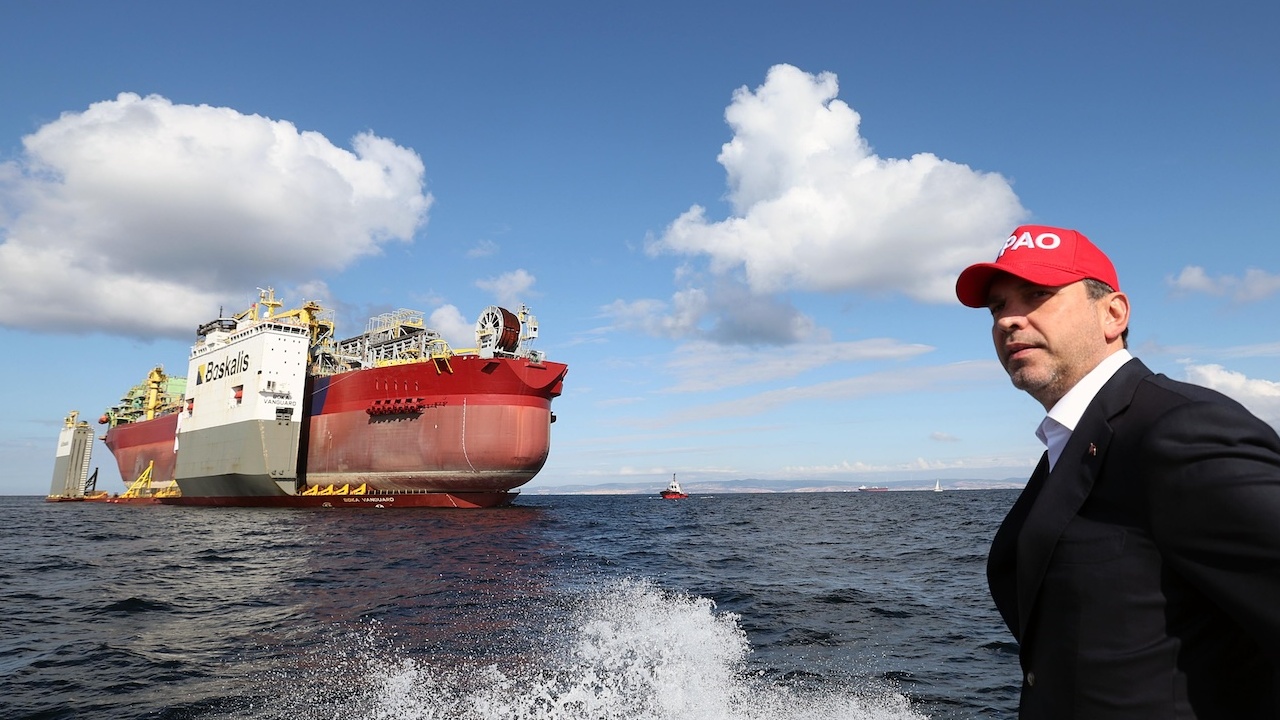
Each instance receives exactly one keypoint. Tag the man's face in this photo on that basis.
(1047, 338)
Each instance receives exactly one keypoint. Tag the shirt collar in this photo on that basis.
(1068, 410)
(1057, 426)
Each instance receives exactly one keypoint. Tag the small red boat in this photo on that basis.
(673, 491)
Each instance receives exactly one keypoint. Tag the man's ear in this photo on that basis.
(1115, 316)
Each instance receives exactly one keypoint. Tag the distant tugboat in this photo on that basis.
(673, 491)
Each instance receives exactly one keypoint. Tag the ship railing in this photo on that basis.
(360, 489)
(407, 350)
(274, 324)
(395, 322)
(327, 363)
(418, 337)
(536, 357)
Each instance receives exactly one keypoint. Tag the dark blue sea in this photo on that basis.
(727, 607)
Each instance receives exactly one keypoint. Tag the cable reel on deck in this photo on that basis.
(497, 330)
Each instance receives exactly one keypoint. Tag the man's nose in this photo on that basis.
(1007, 322)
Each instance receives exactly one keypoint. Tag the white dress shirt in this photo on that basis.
(1056, 428)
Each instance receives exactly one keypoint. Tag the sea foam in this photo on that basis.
(627, 650)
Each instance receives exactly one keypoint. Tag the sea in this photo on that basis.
(780, 606)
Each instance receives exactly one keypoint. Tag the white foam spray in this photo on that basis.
(631, 651)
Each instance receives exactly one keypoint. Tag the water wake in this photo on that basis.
(627, 651)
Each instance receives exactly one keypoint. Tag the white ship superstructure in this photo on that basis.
(240, 429)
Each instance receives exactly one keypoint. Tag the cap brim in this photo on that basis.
(974, 283)
(971, 286)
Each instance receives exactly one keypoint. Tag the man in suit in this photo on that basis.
(1139, 569)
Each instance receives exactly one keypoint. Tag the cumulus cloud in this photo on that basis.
(815, 209)
(139, 216)
(1262, 397)
(457, 330)
(1254, 286)
(509, 288)
(727, 313)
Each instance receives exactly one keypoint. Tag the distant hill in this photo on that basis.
(756, 485)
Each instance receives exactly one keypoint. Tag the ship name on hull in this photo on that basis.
(209, 372)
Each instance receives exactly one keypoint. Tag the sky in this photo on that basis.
(739, 224)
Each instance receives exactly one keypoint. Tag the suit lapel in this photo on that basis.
(1068, 485)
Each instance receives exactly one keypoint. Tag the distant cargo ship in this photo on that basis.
(275, 412)
(864, 488)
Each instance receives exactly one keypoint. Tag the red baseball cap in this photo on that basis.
(1040, 254)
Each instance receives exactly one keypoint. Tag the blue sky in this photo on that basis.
(738, 223)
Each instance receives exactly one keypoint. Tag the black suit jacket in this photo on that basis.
(1141, 577)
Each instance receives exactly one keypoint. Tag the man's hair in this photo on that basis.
(1098, 290)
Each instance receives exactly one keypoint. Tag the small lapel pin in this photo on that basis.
(1093, 449)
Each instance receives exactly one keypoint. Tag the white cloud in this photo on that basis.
(1257, 285)
(508, 288)
(139, 216)
(727, 313)
(1193, 278)
(703, 367)
(678, 319)
(1261, 397)
(889, 382)
(458, 331)
(1254, 286)
(314, 290)
(815, 209)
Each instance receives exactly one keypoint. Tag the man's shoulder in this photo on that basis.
(1136, 387)
(1157, 384)
(1159, 395)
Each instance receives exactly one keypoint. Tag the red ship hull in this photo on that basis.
(471, 425)
(135, 445)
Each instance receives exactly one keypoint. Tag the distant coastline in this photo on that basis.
(694, 487)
